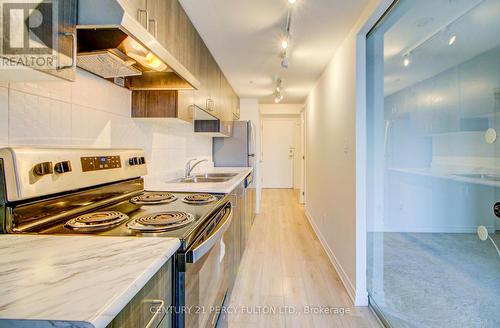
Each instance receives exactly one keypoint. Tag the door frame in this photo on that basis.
(303, 141)
(273, 117)
(378, 10)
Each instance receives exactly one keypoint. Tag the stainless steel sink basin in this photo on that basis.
(206, 178)
(489, 177)
(201, 179)
(216, 175)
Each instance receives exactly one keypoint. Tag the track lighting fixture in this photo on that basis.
(284, 44)
(278, 97)
(452, 40)
(407, 60)
(284, 62)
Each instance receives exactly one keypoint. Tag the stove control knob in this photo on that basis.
(133, 161)
(42, 169)
(142, 160)
(63, 167)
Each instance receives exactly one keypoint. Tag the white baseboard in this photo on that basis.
(357, 298)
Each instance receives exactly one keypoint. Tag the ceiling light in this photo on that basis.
(407, 60)
(452, 40)
(284, 44)
(292, 1)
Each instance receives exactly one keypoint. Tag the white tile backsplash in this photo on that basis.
(59, 90)
(92, 112)
(35, 120)
(90, 91)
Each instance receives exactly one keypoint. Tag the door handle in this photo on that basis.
(199, 251)
(159, 310)
(146, 13)
(155, 27)
(73, 51)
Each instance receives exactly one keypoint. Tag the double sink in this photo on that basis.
(206, 178)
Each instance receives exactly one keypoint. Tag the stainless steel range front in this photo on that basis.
(101, 192)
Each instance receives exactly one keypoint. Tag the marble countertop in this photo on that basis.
(452, 174)
(74, 281)
(161, 183)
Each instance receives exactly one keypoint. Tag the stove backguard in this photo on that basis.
(34, 215)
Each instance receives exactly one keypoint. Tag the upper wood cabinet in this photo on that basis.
(171, 26)
(61, 47)
(171, 104)
(66, 42)
(137, 9)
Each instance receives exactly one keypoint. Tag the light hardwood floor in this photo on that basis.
(285, 268)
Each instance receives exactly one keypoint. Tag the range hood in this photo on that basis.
(113, 44)
(207, 124)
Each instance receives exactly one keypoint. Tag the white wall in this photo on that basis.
(331, 160)
(92, 112)
(281, 109)
(249, 111)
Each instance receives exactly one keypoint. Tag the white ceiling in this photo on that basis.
(244, 37)
(474, 22)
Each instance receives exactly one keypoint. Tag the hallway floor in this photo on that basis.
(285, 270)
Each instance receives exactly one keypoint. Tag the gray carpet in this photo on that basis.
(436, 280)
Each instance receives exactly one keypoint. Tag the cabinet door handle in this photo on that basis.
(73, 51)
(146, 13)
(159, 310)
(155, 27)
(210, 105)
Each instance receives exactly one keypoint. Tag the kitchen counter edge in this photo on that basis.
(138, 269)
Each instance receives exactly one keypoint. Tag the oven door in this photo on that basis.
(208, 269)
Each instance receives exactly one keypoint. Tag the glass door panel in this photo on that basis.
(433, 163)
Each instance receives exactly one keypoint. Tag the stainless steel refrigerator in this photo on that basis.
(237, 150)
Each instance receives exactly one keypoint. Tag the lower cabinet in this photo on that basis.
(151, 306)
(239, 228)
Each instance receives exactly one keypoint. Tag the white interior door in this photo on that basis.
(277, 153)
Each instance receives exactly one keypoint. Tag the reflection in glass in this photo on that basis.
(433, 179)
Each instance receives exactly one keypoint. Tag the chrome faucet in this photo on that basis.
(189, 167)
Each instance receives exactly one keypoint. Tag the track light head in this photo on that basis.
(284, 44)
(284, 62)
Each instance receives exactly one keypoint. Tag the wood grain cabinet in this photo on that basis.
(171, 104)
(151, 306)
(64, 44)
(137, 9)
(171, 26)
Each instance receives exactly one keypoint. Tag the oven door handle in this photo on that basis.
(207, 245)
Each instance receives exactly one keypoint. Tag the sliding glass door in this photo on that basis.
(433, 164)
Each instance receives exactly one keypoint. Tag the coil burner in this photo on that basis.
(162, 221)
(154, 198)
(199, 199)
(96, 221)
